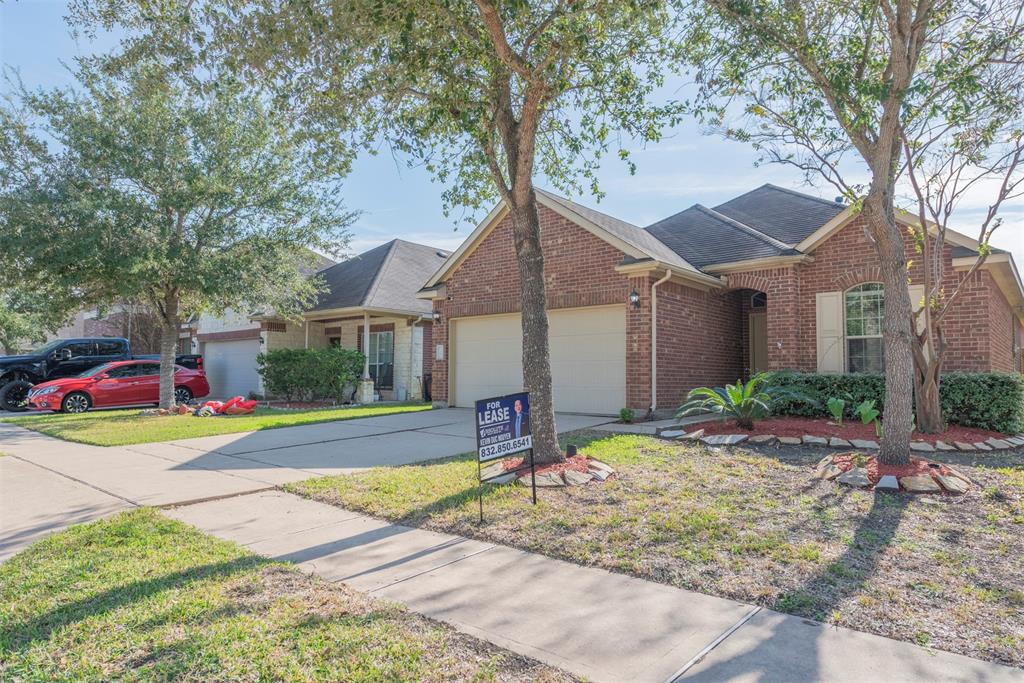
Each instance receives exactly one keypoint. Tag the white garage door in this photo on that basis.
(231, 367)
(588, 358)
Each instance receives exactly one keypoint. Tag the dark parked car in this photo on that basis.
(124, 383)
(65, 358)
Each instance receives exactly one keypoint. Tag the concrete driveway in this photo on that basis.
(47, 484)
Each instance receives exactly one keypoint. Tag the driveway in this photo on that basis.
(47, 484)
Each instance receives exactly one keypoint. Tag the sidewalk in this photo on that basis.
(600, 625)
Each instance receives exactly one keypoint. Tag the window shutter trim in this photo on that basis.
(830, 333)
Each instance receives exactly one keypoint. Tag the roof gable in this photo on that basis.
(385, 277)
(785, 215)
(705, 237)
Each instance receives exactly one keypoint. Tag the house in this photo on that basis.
(773, 279)
(370, 303)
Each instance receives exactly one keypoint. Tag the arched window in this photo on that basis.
(865, 307)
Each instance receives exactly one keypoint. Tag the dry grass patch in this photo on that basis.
(140, 597)
(752, 525)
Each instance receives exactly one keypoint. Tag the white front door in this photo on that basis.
(588, 358)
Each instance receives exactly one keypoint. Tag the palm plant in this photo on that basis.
(743, 402)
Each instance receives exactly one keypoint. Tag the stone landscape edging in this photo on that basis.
(991, 444)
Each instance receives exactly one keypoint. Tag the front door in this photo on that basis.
(758, 342)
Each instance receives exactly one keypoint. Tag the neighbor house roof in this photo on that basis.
(384, 278)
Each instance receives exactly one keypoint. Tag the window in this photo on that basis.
(758, 300)
(79, 349)
(382, 358)
(865, 307)
(109, 347)
(335, 342)
(148, 369)
(122, 371)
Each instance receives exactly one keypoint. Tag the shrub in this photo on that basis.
(744, 403)
(627, 415)
(986, 400)
(309, 374)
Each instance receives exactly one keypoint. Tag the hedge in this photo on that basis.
(310, 374)
(987, 400)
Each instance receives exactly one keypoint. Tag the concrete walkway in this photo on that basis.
(47, 484)
(600, 625)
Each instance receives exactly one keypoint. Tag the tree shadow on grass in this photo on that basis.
(18, 636)
(848, 574)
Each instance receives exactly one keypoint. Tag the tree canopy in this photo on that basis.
(139, 187)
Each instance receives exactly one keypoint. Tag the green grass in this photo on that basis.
(124, 427)
(747, 525)
(140, 597)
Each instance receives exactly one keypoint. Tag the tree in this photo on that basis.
(141, 188)
(825, 80)
(969, 144)
(28, 317)
(484, 93)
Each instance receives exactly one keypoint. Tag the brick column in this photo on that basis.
(783, 321)
(638, 347)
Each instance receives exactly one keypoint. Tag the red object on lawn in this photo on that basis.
(121, 383)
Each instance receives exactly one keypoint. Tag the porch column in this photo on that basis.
(366, 393)
(366, 346)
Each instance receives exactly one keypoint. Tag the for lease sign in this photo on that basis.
(503, 426)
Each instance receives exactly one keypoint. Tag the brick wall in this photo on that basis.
(579, 270)
(848, 259)
(700, 340)
(702, 335)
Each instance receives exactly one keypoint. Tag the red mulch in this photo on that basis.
(876, 470)
(850, 429)
(576, 462)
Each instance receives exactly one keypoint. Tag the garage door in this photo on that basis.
(231, 367)
(588, 358)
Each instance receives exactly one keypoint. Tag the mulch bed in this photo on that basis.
(876, 470)
(799, 426)
(579, 463)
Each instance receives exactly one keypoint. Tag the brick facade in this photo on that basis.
(703, 335)
(979, 329)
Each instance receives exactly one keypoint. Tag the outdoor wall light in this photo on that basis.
(634, 298)
(436, 315)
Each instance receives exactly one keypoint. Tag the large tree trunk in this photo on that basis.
(536, 353)
(896, 330)
(929, 406)
(168, 348)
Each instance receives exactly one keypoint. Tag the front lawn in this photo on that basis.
(124, 427)
(754, 526)
(140, 597)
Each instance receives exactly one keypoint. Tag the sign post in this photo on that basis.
(503, 429)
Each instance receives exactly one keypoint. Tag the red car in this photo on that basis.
(122, 383)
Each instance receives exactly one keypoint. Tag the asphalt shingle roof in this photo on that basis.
(705, 237)
(386, 277)
(783, 214)
(627, 232)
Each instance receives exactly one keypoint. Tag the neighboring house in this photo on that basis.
(773, 279)
(135, 322)
(370, 304)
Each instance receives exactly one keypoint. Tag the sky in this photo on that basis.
(686, 167)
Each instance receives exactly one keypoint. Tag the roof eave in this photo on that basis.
(757, 263)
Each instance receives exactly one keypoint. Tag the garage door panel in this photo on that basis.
(231, 367)
(588, 358)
